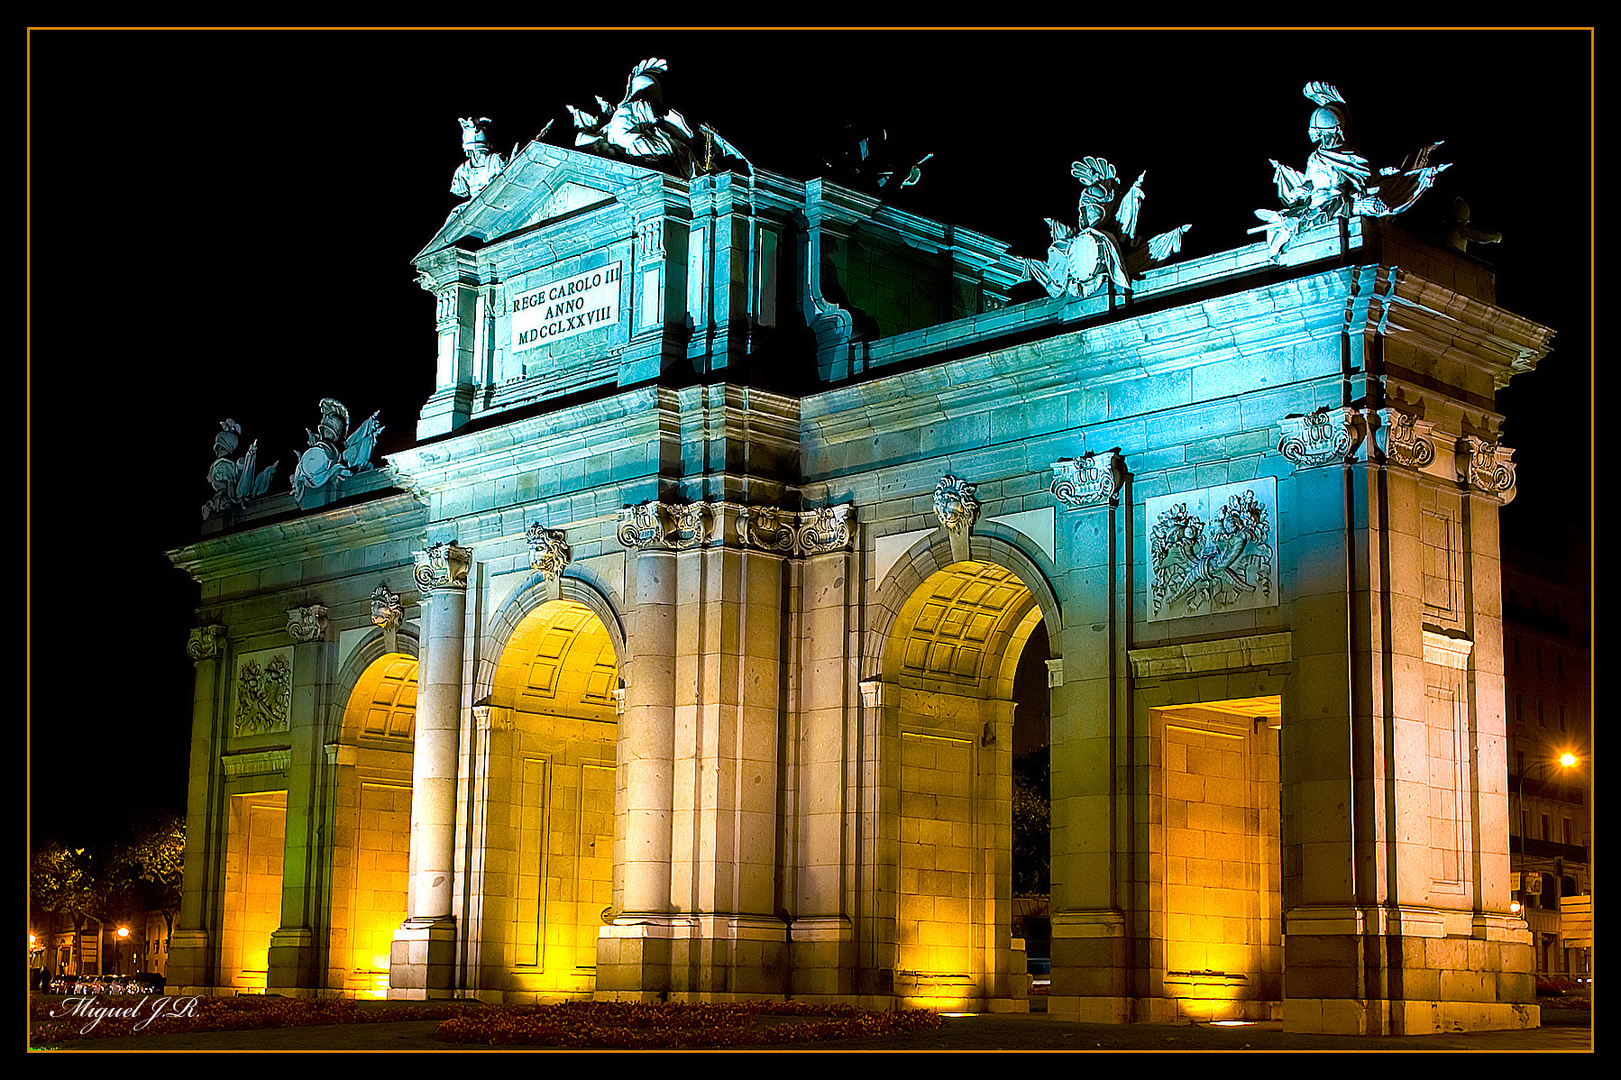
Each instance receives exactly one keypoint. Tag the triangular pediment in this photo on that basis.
(541, 184)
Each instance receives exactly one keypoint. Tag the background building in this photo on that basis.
(1547, 610)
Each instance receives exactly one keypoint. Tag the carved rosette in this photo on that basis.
(1404, 439)
(206, 643)
(955, 505)
(306, 624)
(442, 566)
(1486, 466)
(666, 526)
(548, 550)
(263, 696)
(1091, 480)
(1321, 437)
(802, 532)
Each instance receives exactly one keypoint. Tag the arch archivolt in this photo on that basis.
(355, 667)
(577, 586)
(969, 627)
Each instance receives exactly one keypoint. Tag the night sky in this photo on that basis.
(221, 224)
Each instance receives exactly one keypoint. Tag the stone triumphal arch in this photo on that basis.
(677, 657)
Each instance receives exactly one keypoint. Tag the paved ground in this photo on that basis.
(1034, 1032)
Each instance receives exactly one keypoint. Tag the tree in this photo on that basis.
(1032, 818)
(64, 881)
(150, 864)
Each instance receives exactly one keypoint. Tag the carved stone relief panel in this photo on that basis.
(262, 693)
(1213, 550)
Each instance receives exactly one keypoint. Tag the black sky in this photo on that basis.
(221, 224)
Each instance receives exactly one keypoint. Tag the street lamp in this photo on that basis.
(1566, 760)
(118, 957)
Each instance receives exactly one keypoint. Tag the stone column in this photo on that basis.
(191, 962)
(423, 953)
(827, 795)
(1090, 883)
(292, 945)
(633, 954)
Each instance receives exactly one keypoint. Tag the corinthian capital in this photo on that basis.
(798, 532)
(1404, 439)
(1091, 480)
(671, 526)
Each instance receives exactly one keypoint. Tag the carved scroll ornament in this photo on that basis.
(442, 566)
(1091, 480)
(668, 526)
(802, 532)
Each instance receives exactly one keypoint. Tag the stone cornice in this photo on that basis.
(311, 535)
(1439, 322)
(627, 421)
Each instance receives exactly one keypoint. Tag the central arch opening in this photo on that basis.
(954, 658)
(549, 866)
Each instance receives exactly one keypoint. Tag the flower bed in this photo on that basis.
(647, 1026)
(95, 1017)
(582, 1025)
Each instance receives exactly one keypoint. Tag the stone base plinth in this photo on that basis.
(292, 960)
(692, 958)
(187, 972)
(1434, 971)
(422, 961)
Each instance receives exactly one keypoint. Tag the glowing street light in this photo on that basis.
(1567, 760)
